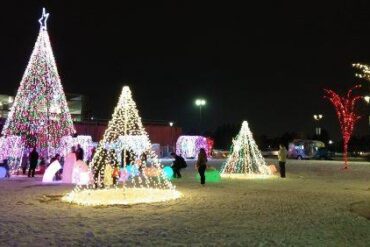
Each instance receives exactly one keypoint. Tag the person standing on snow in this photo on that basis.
(33, 157)
(79, 153)
(201, 165)
(282, 159)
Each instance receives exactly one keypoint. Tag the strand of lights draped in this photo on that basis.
(245, 160)
(125, 134)
(365, 71)
(40, 113)
(345, 109)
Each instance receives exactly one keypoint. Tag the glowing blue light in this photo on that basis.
(168, 172)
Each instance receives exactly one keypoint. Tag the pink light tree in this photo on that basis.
(345, 109)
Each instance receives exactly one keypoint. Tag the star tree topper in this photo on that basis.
(43, 19)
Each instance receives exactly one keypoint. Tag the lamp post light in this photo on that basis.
(171, 136)
(200, 103)
(318, 117)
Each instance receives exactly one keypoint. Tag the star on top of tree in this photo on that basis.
(43, 19)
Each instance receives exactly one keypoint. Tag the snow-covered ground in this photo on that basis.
(317, 205)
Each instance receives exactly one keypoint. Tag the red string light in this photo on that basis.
(345, 109)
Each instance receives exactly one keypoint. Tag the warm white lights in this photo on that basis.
(125, 139)
(367, 98)
(119, 196)
(245, 160)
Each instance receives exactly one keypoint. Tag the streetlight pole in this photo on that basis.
(172, 144)
(200, 103)
(317, 117)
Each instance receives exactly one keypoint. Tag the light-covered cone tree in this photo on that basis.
(40, 113)
(126, 133)
(245, 157)
(145, 183)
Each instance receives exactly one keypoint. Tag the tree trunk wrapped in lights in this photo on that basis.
(40, 113)
(345, 109)
(245, 159)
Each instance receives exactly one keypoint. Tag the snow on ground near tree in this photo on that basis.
(317, 205)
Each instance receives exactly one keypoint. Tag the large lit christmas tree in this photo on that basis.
(40, 114)
(245, 160)
(126, 136)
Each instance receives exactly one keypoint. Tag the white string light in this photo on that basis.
(125, 131)
(245, 160)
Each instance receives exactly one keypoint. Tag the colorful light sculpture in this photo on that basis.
(68, 142)
(345, 109)
(125, 134)
(40, 114)
(245, 160)
(10, 146)
(189, 146)
(51, 171)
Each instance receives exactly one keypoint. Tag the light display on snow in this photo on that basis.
(245, 160)
(119, 196)
(212, 176)
(189, 146)
(10, 146)
(81, 174)
(125, 136)
(40, 114)
(11, 149)
(68, 142)
(51, 171)
(138, 144)
(345, 109)
(168, 171)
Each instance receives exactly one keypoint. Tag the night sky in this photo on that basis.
(265, 63)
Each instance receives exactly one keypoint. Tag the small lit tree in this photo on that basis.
(345, 109)
(142, 177)
(125, 132)
(245, 157)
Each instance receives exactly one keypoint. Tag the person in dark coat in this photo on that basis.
(178, 163)
(6, 166)
(24, 163)
(79, 153)
(201, 165)
(33, 158)
(282, 159)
